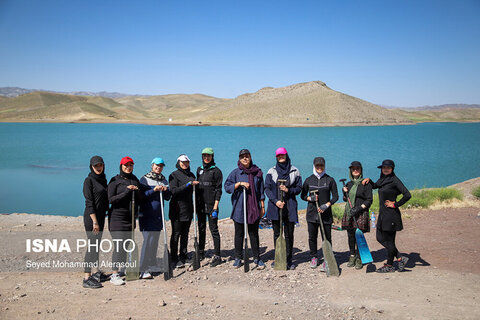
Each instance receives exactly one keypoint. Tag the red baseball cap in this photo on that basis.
(126, 160)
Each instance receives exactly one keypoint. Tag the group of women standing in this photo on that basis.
(282, 184)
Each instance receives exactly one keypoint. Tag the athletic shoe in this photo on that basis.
(146, 275)
(351, 261)
(121, 273)
(314, 263)
(116, 279)
(273, 264)
(358, 264)
(260, 264)
(180, 264)
(237, 263)
(91, 283)
(216, 260)
(386, 269)
(202, 256)
(291, 266)
(402, 262)
(323, 267)
(99, 276)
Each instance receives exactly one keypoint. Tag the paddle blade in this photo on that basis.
(132, 271)
(196, 257)
(363, 250)
(280, 254)
(167, 264)
(331, 263)
(246, 265)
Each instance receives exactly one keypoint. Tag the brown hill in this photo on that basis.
(310, 103)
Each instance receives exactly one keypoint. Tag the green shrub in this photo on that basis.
(337, 211)
(476, 192)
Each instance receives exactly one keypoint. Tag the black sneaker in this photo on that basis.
(99, 276)
(386, 269)
(202, 256)
(402, 263)
(91, 283)
(291, 266)
(216, 260)
(180, 264)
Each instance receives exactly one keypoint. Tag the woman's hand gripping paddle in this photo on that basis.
(330, 262)
(132, 271)
(363, 250)
(280, 245)
(167, 262)
(246, 265)
(196, 258)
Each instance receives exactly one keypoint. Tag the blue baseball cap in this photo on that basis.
(158, 161)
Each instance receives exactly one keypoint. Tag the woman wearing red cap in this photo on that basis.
(120, 189)
(283, 170)
(389, 218)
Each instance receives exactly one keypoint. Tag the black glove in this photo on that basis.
(355, 211)
(324, 207)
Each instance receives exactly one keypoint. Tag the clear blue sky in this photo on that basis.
(399, 53)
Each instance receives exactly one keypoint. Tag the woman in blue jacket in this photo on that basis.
(283, 170)
(250, 177)
(150, 216)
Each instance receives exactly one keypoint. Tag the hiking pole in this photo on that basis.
(363, 250)
(331, 263)
(132, 272)
(167, 263)
(196, 257)
(280, 245)
(246, 266)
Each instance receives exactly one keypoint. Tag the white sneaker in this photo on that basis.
(116, 279)
(147, 275)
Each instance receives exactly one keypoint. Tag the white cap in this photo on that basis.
(183, 157)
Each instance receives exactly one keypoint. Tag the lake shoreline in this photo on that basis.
(233, 124)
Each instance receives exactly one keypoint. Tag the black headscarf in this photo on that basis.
(385, 179)
(206, 166)
(186, 171)
(283, 168)
(125, 175)
(101, 178)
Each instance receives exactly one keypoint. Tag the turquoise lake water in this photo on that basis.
(43, 165)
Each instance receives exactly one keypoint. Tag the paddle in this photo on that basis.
(363, 250)
(280, 245)
(330, 262)
(196, 257)
(246, 266)
(132, 271)
(167, 263)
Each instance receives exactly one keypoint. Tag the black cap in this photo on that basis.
(243, 151)
(319, 160)
(96, 160)
(387, 163)
(355, 164)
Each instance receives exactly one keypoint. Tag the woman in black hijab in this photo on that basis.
(96, 206)
(389, 219)
(120, 190)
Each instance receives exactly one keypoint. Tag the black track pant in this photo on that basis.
(119, 256)
(352, 242)
(313, 235)
(387, 239)
(202, 230)
(254, 239)
(93, 245)
(288, 230)
(179, 233)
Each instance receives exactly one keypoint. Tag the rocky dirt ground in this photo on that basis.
(442, 279)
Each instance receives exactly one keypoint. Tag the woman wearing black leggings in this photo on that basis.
(389, 219)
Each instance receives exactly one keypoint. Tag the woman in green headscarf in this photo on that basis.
(361, 198)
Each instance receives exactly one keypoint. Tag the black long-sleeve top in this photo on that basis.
(181, 204)
(96, 202)
(390, 219)
(327, 192)
(209, 189)
(120, 198)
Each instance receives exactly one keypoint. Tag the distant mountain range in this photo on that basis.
(303, 104)
(12, 92)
